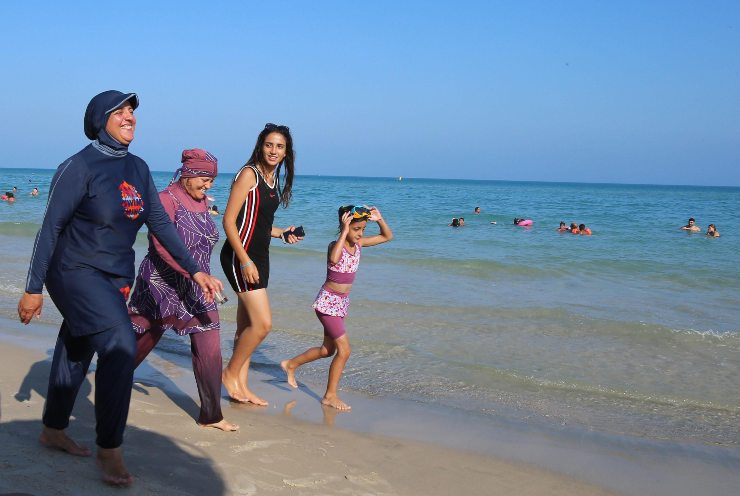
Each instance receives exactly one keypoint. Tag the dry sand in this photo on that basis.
(271, 454)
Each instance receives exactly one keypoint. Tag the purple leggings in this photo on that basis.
(333, 326)
(207, 366)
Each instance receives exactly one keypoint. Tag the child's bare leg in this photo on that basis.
(335, 373)
(311, 354)
(254, 321)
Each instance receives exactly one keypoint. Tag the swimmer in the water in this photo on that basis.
(691, 226)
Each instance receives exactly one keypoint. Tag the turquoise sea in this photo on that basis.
(633, 331)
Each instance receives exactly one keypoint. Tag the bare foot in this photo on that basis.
(58, 439)
(335, 402)
(233, 388)
(224, 425)
(114, 470)
(290, 372)
(239, 393)
(254, 399)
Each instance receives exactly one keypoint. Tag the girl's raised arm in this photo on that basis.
(386, 234)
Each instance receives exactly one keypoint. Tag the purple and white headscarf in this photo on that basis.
(197, 163)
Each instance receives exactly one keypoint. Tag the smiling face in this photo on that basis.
(197, 187)
(273, 149)
(122, 124)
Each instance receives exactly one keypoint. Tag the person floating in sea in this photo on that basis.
(476, 210)
(9, 196)
(332, 302)
(213, 210)
(583, 230)
(563, 227)
(691, 226)
(712, 231)
(574, 228)
(34, 192)
(455, 222)
(523, 222)
(461, 221)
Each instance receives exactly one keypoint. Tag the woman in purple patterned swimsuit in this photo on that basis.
(165, 296)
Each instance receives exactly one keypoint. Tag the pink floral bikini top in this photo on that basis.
(343, 272)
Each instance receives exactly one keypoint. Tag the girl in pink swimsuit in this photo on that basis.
(332, 302)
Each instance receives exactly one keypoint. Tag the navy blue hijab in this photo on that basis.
(98, 111)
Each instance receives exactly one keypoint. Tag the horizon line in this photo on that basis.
(412, 178)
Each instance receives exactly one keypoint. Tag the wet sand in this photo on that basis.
(296, 446)
(277, 454)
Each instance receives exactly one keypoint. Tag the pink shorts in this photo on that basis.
(333, 326)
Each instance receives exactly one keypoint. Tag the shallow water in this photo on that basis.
(633, 330)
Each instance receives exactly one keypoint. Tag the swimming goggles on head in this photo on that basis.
(360, 212)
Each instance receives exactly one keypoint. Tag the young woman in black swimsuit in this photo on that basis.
(255, 195)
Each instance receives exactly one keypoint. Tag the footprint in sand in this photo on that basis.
(371, 478)
(312, 480)
(243, 485)
(255, 445)
(369, 482)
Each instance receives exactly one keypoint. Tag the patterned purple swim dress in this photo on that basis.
(164, 297)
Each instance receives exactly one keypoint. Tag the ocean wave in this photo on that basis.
(20, 229)
(732, 335)
(475, 268)
(11, 290)
(647, 399)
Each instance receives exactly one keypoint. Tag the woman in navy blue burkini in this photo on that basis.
(98, 200)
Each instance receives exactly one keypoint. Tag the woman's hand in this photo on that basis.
(291, 238)
(208, 284)
(29, 306)
(250, 272)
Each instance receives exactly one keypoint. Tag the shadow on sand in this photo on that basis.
(161, 465)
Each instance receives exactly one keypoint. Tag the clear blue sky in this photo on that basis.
(592, 91)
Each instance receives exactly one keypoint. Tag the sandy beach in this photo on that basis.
(272, 453)
(489, 356)
(296, 446)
